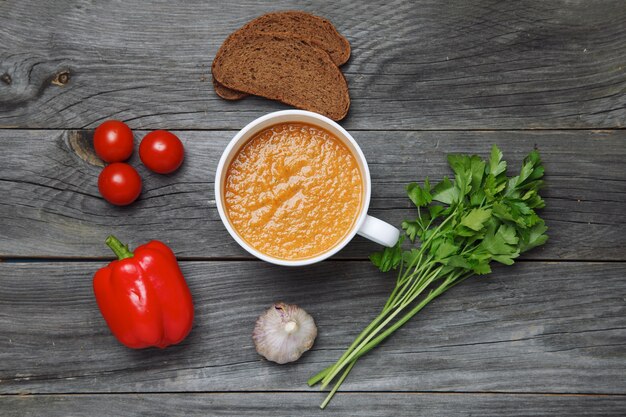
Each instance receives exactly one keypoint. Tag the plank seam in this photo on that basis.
(229, 129)
(317, 392)
(13, 259)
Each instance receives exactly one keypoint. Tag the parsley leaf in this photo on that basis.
(445, 192)
(420, 196)
(496, 164)
(389, 258)
(476, 218)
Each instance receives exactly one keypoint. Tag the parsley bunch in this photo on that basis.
(462, 225)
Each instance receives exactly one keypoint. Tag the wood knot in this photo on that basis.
(62, 78)
(82, 145)
(6, 78)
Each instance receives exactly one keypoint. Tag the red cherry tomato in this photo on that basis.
(161, 151)
(119, 184)
(113, 141)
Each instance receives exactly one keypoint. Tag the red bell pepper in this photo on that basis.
(143, 296)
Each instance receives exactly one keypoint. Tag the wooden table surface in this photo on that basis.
(427, 78)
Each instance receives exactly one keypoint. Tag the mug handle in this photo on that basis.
(379, 231)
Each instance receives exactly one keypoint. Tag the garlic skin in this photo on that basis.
(283, 333)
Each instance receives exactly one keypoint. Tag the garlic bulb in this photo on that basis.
(283, 333)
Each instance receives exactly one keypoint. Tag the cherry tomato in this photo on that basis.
(161, 151)
(119, 184)
(113, 141)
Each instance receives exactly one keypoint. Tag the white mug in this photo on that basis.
(365, 225)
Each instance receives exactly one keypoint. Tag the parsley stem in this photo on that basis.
(343, 376)
(363, 349)
(432, 295)
(319, 376)
(412, 285)
(446, 285)
(390, 303)
(396, 287)
(409, 290)
(346, 359)
(360, 337)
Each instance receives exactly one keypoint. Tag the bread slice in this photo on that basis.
(227, 93)
(289, 70)
(298, 25)
(301, 25)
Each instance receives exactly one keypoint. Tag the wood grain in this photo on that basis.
(50, 205)
(422, 64)
(532, 328)
(426, 78)
(291, 404)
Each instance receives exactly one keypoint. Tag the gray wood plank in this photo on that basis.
(422, 64)
(532, 328)
(50, 206)
(291, 404)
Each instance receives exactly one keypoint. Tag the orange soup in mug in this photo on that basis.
(293, 191)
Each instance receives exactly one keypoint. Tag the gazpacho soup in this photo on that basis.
(293, 191)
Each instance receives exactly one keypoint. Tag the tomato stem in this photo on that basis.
(120, 250)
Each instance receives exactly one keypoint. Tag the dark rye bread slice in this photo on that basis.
(292, 71)
(298, 25)
(227, 93)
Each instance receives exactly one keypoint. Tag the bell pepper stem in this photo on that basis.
(120, 250)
